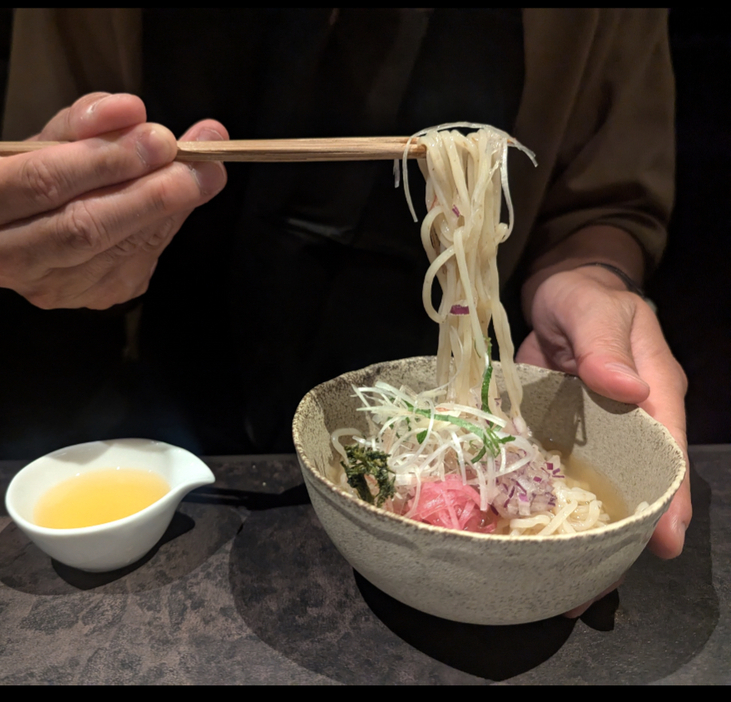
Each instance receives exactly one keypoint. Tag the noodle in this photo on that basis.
(454, 457)
(466, 178)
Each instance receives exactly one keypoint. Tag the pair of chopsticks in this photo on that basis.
(272, 150)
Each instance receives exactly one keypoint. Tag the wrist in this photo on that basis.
(610, 255)
(628, 282)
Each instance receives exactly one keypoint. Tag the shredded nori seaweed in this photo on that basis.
(364, 461)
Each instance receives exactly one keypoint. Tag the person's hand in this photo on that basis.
(82, 224)
(585, 323)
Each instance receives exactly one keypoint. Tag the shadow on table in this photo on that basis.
(195, 533)
(198, 529)
(299, 596)
(492, 652)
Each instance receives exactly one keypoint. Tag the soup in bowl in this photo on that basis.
(103, 505)
(485, 578)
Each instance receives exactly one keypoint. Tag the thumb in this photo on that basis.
(603, 351)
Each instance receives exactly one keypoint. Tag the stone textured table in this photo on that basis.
(245, 587)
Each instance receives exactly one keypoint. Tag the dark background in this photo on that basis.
(691, 287)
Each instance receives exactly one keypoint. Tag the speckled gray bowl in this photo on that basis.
(483, 578)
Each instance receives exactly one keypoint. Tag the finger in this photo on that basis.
(668, 538)
(123, 283)
(116, 275)
(107, 278)
(656, 363)
(605, 361)
(127, 270)
(602, 346)
(41, 181)
(667, 385)
(206, 130)
(584, 329)
(666, 404)
(94, 114)
(94, 223)
(113, 285)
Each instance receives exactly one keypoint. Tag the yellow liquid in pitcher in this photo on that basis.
(99, 497)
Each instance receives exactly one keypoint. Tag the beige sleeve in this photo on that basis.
(598, 109)
(58, 55)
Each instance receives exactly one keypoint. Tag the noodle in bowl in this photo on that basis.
(488, 578)
(457, 441)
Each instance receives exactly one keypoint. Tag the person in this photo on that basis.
(304, 263)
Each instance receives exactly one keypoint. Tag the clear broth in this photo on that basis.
(99, 497)
(581, 474)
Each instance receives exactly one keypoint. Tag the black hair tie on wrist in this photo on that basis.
(629, 283)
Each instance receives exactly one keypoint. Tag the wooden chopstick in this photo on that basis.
(265, 150)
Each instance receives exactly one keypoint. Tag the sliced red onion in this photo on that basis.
(528, 490)
(459, 309)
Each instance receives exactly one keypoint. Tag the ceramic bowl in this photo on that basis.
(485, 578)
(114, 544)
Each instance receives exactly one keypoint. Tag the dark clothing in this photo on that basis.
(311, 269)
(299, 272)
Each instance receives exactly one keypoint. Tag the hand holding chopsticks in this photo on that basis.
(82, 223)
(89, 207)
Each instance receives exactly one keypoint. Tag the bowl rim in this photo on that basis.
(94, 528)
(651, 513)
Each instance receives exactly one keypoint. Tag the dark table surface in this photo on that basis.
(245, 587)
